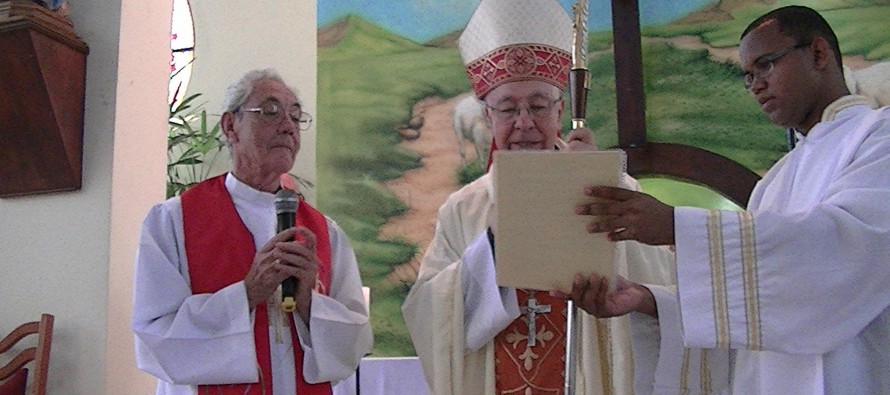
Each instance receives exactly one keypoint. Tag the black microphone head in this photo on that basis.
(285, 201)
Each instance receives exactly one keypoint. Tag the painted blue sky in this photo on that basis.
(422, 20)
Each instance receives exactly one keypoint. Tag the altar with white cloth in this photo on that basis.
(385, 376)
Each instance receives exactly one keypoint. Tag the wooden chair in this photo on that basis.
(39, 354)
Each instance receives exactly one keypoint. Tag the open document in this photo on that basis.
(540, 243)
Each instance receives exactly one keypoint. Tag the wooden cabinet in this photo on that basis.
(42, 75)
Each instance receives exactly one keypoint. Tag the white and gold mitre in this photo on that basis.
(516, 40)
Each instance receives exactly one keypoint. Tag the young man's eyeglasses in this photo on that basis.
(272, 113)
(537, 109)
(765, 63)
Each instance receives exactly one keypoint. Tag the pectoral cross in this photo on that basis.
(530, 310)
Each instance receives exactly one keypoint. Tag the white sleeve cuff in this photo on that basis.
(488, 308)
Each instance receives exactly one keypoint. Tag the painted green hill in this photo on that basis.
(860, 24)
(368, 81)
(354, 35)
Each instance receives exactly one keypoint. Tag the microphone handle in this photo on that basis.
(289, 285)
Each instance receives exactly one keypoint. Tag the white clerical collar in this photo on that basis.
(836, 107)
(488, 179)
(240, 190)
(833, 110)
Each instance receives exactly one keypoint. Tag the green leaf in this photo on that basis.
(187, 161)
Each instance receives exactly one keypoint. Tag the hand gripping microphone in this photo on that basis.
(286, 210)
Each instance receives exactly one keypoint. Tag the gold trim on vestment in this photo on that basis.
(718, 279)
(750, 280)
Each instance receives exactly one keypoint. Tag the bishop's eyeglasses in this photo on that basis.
(272, 113)
(537, 109)
(763, 65)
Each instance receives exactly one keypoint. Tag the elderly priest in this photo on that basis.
(207, 315)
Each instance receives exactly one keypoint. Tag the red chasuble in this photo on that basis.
(216, 236)
(521, 368)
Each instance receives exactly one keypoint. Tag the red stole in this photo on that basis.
(215, 235)
(518, 367)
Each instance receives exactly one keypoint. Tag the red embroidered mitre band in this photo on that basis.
(519, 62)
(516, 40)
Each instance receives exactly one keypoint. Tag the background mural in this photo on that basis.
(395, 135)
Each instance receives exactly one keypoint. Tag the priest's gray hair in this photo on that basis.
(237, 92)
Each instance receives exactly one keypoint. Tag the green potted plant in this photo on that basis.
(193, 145)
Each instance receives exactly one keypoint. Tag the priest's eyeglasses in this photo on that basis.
(538, 109)
(763, 65)
(272, 113)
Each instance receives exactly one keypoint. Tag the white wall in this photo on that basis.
(138, 177)
(58, 256)
(71, 254)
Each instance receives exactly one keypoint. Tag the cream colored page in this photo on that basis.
(540, 243)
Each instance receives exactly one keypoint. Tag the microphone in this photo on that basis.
(286, 210)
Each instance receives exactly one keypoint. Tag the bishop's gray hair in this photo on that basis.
(237, 92)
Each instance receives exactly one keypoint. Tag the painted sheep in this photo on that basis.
(468, 121)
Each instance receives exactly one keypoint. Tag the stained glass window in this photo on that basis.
(182, 50)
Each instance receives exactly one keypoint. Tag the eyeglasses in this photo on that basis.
(508, 111)
(765, 63)
(272, 114)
